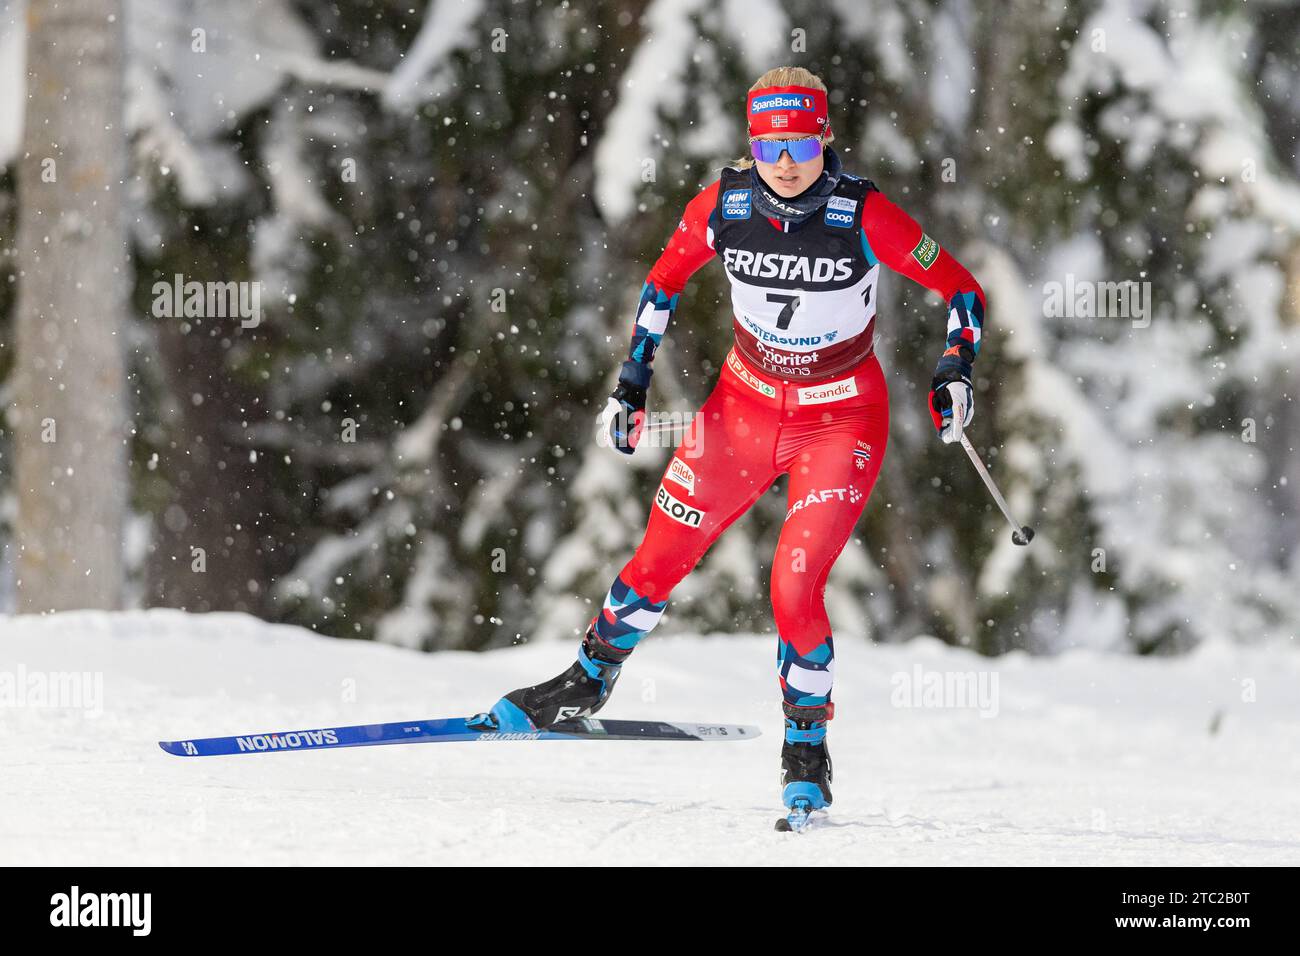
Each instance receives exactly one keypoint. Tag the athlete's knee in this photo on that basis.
(798, 606)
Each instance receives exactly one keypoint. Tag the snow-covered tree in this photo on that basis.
(449, 209)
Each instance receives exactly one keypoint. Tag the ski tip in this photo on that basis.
(794, 823)
(799, 816)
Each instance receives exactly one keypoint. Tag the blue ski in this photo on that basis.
(449, 731)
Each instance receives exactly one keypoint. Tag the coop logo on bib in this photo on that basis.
(681, 473)
(735, 204)
(681, 513)
(830, 392)
(840, 211)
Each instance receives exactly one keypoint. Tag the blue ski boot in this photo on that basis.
(805, 765)
(579, 692)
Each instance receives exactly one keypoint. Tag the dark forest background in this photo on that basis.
(450, 209)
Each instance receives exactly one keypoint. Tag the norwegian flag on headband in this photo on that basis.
(792, 109)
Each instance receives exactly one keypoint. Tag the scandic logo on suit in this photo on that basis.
(682, 514)
(830, 392)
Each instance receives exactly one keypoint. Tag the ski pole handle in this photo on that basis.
(958, 418)
(1020, 534)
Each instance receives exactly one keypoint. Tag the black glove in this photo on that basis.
(952, 381)
(624, 414)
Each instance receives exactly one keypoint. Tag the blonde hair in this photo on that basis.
(785, 76)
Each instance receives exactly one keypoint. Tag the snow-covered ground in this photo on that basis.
(1081, 759)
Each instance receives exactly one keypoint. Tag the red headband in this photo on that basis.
(787, 109)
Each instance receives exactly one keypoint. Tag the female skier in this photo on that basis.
(800, 393)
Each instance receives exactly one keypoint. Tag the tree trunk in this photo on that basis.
(68, 411)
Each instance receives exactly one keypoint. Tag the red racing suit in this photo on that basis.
(801, 393)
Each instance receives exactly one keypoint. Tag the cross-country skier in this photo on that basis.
(800, 394)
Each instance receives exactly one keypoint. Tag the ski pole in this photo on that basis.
(663, 426)
(1020, 534)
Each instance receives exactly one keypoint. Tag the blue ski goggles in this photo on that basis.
(800, 150)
